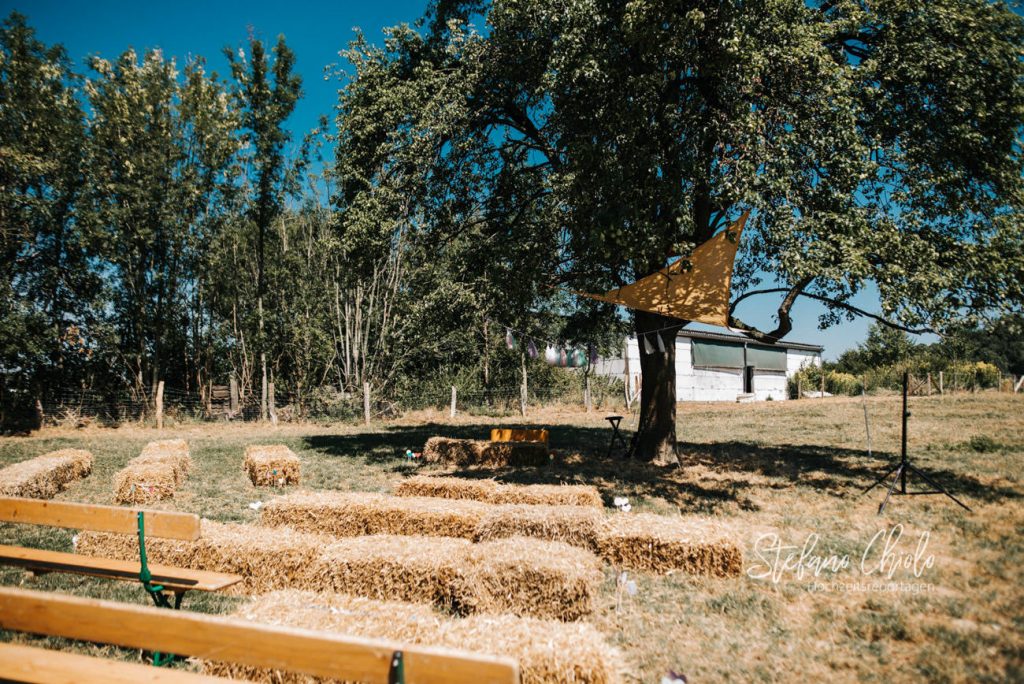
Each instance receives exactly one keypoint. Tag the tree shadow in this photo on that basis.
(709, 475)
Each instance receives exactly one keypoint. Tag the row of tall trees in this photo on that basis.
(160, 222)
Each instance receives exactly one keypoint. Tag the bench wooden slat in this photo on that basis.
(168, 576)
(237, 641)
(167, 524)
(42, 666)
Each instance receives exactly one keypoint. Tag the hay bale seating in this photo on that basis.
(635, 541)
(45, 476)
(482, 452)
(530, 577)
(266, 559)
(353, 514)
(491, 491)
(271, 465)
(348, 514)
(548, 652)
(450, 573)
(154, 474)
(642, 541)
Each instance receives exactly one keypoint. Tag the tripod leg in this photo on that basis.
(882, 479)
(937, 486)
(899, 471)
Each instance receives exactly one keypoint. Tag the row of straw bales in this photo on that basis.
(635, 541)
(271, 465)
(44, 476)
(154, 474)
(466, 452)
(548, 652)
(527, 577)
(494, 492)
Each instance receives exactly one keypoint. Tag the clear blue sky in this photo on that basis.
(316, 32)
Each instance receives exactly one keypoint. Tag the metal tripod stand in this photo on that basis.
(900, 471)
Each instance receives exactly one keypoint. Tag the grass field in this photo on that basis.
(952, 610)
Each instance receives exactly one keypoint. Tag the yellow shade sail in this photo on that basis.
(700, 293)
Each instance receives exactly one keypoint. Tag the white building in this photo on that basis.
(720, 367)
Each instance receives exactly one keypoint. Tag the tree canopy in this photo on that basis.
(873, 143)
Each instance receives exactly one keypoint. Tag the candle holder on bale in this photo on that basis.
(901, 470)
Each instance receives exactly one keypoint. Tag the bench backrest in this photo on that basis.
(519, 435)
(237, 641)
(167, 524)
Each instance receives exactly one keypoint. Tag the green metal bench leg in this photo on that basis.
(155, 591)
(396, 674)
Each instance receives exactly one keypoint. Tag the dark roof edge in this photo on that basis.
(723, 337)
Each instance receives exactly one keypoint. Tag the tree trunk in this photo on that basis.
(657, 423)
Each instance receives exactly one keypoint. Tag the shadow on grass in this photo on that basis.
(709, 475)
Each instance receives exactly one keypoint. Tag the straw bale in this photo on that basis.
(44, 476)
(548, 652)
(448, 450)
(419, 569)
(267, 558)
(659, 544)
(531, 577)
(271, 464)
(155, 474)
(552, 495)
(514, 454)
(352, 514)
(447, 487)
(495, 492)
(163, 447)
(482, 452)
(576, 525)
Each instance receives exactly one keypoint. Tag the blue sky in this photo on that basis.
(316, 32)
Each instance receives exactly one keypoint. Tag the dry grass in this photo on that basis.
(45, 476)
(496, 492)
(548, 652)
(789, 468)
(271, 465)
(155, 474)
(467, 452)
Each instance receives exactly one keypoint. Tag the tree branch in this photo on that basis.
(785, 323)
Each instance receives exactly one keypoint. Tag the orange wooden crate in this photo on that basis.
(519, 435)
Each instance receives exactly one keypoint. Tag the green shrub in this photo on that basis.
(983, 444)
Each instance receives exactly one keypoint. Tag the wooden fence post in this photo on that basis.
(928, 391)
(160, 405)
(454, 397)
(366, 402)
(524, 389)
(822, 395)
(799, 388)
(586, 394)
(271, 405)
(234, 395)
(1020, 382)
(940, 383)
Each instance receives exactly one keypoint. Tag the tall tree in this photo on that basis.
(47, 291)
(872, 142)
(265, 95)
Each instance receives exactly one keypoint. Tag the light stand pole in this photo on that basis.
(905, 466)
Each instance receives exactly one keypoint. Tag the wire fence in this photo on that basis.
(83, 407)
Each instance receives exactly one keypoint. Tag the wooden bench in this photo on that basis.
(159, 581)
(231, 640)
(519, 435)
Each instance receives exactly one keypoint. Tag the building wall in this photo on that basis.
(705, 384)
